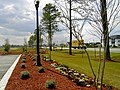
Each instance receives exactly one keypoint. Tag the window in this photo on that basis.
(118, 40)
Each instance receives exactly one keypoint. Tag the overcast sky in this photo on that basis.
(17, 21)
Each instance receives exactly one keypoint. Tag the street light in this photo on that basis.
(36, 2)
(70, 21)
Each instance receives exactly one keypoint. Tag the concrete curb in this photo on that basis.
(6, 77)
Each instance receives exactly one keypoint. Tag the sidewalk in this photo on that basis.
(5, 78)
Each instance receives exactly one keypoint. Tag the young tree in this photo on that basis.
(25, 45)
(7, 45)
(49, 21)
(33, 38)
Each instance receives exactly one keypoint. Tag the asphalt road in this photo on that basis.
(5, 62)
(115, 50)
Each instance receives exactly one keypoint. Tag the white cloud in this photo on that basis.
(17, 19)
(9, 7)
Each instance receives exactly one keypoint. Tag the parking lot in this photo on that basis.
(5, 62)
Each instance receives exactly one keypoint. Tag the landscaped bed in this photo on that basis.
(37, 81)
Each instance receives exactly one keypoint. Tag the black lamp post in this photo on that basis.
(36, 2)
(70, 21)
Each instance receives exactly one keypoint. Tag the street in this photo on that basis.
(115, 50)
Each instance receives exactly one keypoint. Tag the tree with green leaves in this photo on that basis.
(50, 22)
(6, 46)
(33, 38)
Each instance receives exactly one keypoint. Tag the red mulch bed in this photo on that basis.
(37, 80)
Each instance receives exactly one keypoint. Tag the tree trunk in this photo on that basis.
(107, 50)
(50, 42)
(105, 37)
(105, 30)
(50, 46)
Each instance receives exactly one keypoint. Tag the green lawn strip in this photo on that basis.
(79, 63)
(1, 49)
(115, 57)
(112, 74)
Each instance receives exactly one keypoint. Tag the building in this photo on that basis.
(115, 41)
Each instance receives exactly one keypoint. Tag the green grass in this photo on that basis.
(1, 50)
(80, 63)
(18, 49)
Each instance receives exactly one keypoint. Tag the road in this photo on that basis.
(5, 62)
(115, 50)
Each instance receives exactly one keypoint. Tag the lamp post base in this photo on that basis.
(38, 61)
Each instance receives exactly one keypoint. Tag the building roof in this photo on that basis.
(115, 37)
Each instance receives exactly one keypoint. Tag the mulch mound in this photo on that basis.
(37, 80)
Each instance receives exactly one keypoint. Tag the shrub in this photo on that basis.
(50, 84)
(24, 53)
(7, 45)
(23, 57)
(40, 69)
(35, 63)
(23, 60)
(24, 75)
(22, 65)
(33, 58)
(29, 54)
(81, 82)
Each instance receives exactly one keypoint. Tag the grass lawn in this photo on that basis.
(18, 49)
(80, 63)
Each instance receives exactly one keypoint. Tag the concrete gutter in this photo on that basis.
(6, 77)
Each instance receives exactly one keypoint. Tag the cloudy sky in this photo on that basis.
(17, 21)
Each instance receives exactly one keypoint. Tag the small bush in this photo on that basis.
(7, 46)
(22, 65)
(23, 57)
(33, 58)
(23, 60)
(24, 53)
(50, 84)
(35, 63)
(40, 69)
(24, 75)
(29, 54)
